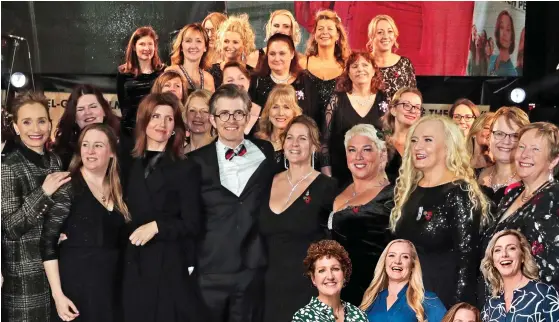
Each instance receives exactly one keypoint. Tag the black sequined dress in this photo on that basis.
(324, 90)
(401, 74)
(444, 228)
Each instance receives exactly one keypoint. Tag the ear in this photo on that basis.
(393, 110)
(553, 163)
(16, 129)
(212, 121)
(312, 280)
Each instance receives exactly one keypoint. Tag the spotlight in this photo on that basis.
(518, 95)
(18, 80)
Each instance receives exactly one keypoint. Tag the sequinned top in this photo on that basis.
(538, 220)
(324, 90)
(443, 226)
(316, 311)
(535, 301)
(399, 75)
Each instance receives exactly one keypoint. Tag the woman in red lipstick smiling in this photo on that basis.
(439, 206)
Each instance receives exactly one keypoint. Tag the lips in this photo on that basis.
(296, 152)
(91, 159)
(420, 156)
(231, 128)
(397, 269)
(359, 165)
(525, 165)
(36, 137)
(410, 117)
(505, 263)
(90, 119)
(506, 150)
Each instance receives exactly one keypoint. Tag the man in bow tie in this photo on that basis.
(237, 172)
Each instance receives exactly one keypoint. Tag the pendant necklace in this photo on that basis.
(294, 186)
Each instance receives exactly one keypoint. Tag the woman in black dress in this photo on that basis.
(136, 76)
(531, 206)
(86, 105)
(397, 71)
(235, 40)
(281, 67)
(357, 100)
(294, 217)
(162, 196)
(84, 271)
(439, 207)
(33, 187)
(360, 218)
(189, 55)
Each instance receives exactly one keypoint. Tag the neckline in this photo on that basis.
(396, 63)
(84, 182)
(40, 160)
(368, 112)
(320, 79)
(295, 199)
(390, 185)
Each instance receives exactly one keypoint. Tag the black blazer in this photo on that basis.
(230, 240)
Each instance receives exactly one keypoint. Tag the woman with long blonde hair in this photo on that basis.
(396, 293)
(439, 207)
(477, 142)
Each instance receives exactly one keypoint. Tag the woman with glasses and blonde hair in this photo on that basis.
(503, 141)
(404, 110)
(396, 293)
(477, 142)
(397, 71)
(462, 312)
(281, 21)
(439, 206)
(512, 275)
(463, 112)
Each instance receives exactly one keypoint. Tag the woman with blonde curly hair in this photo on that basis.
(439, 207)
(234, 42)
(397, 71)
(211, 24)
(281, 21)
(396, 293)
(327, 53)
(189, 55)
(329, 268)
(512, 274)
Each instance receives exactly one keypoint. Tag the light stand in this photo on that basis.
(16, 45)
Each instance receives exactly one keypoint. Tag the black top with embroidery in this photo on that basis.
(401, 74)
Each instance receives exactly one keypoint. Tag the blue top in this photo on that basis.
(400, 311)
(505, 68)
(534, 302)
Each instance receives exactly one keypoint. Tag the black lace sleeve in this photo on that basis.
(408, 66)
(327, 129)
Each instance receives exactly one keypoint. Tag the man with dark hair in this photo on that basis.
(237, 174)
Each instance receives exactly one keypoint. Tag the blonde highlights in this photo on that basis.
(295, 29)
(342, 50)
(280, 92)
(241, 25)
(371, 29)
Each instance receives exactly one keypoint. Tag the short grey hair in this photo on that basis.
(367, 130)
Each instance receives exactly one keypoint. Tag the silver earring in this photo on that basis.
(551, 176)
(285, 162)
(312, 160)
(173, 133)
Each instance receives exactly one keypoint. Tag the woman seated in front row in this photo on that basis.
(512, 274)
(396, 293)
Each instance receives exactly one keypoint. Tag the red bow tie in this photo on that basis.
(230, 153)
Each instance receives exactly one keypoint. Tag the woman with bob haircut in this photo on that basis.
(86, 105)
(512, 275)
(358, 99)
(501, 63)
(462, 312)
(396, 293)
(162, 197)
(135, 77)
(189, 55)
(328, 266)
(171, 81)
(439, 207)
(463, 112)
(211, 24)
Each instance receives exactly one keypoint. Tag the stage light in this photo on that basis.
(18, 80)
(518, 95)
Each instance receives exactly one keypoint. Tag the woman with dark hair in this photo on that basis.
(86, 105)
(189, 55)
(162, 197)
(33, 188)
(477, 62)
(135, 77)
(462, 312)
(358, 99)
(211, 24)
(501, 64)
(281, 67)
(463, 112)
(327, 52)
(84, 270)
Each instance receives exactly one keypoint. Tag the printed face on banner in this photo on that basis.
(282, 24)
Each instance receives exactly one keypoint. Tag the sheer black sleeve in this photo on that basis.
(327, 129)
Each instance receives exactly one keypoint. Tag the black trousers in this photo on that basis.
(236, 297)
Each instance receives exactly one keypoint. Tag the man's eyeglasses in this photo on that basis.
(469, 118)
(408, 107)
(500, 135)
(225, 116)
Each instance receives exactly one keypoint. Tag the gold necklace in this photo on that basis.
(99, 191)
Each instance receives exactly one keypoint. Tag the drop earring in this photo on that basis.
(312, 160)
(551, 178)
(285, 162)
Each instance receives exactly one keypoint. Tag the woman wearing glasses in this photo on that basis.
(463, 112)
(502, 142)
(404, 111)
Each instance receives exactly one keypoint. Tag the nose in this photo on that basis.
(398, 260)
(90, 150)
(330, 275)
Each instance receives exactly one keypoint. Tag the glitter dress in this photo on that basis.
(442, 224)
(324, 90)
(340, 116)
(401, 74)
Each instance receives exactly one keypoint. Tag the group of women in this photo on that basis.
(424, 213)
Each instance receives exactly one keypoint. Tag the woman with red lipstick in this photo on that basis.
(439, 207)
(518, 292)
(162, 196)
(86, 105)
(358, 99)
(136, 76)
(189, 56)
(33, 188)
(404, 110)
(531, 206)
(463, 112)
(294, 217)
(397, 71)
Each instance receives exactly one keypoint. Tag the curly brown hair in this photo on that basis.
(344, 83)
(328, 249)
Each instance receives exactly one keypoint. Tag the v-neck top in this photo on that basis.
(400, 311)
